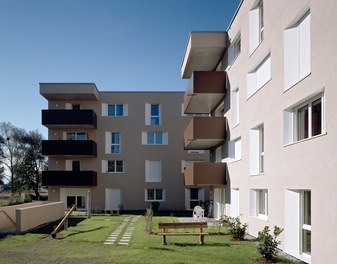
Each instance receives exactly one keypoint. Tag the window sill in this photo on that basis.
(234, 161)
(256, 175)
(256, 91)
(260, 217)
(304, 140)
(258, 45)
(292, 86)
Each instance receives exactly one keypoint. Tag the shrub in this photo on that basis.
(148, 220)
(235, 228)
(267, 245)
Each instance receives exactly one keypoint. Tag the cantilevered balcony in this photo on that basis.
(69, 178)
(78, 148)
(205, 91)
(69, 91)
(203, 52)
(205, 174)
(69, 118)
(205, 132)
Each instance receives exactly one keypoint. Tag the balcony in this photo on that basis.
(205, 91)
(79, 148)
(69, 118)
(203, 52)
(69, 91)
(69, 178)
(204, 132)
(205, 174)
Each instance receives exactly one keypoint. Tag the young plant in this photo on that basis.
(267, 245)
(148, 220)
(236, 229)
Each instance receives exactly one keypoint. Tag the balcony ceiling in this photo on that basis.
(203, 52)
(69, 91)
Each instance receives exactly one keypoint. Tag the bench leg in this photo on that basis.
(164, 240)
(201, 240)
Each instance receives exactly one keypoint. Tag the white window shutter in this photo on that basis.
(153, 171)
(288, 128)
(125, 110)
(104, 166)
(147, 114)
(104, 109)
(107, 142)
(144, 138)
(69, 165)
(237, 147)
(254, 154)
(253, 29)
(69, 106)
(304, 47)
(263, 73)
(165, 138)
(291, 63)
(252, 202)
(251, 84)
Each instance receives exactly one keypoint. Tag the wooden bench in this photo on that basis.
(179, 232)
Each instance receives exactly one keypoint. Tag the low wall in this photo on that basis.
(35, 215)
(6, 212)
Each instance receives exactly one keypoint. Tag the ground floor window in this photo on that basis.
(78, 200)
(154, 195)
(306, 224)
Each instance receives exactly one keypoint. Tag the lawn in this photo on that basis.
(83, 243)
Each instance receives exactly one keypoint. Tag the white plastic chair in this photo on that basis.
(198, 212)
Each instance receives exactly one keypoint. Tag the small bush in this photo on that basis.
(267, 245)
(148, 220)
(235, 228)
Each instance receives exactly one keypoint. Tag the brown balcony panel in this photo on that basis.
(204, 132)
(203, 52)
(69, 118)
(84, 148)
(69, 178)
(205, 91)
(205, 174)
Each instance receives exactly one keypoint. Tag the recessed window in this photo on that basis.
(235, 49)
(235, 149)
(306, 225)
(305, 120)
(256, 25)
(235, 107)
(259, 203)
(115, 166)
(77, 136)
(154, 195)
(152, 114)
(297, 51)
(256, 150)
(259, 76)
(154, 138)
(114, 109)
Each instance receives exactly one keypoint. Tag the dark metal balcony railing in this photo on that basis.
(86, 148)
(80, 118)
(69, 178)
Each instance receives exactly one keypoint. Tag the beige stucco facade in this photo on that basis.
(280, 106)
(145, 166)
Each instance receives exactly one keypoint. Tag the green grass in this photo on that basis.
(83, 243)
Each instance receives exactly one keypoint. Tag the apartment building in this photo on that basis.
(117, 150)
(279, 109)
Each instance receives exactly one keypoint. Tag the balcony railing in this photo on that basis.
(84, 118)
(69, 178)
(205, 91)
(205, 174)
(205, 132)
(84, 148)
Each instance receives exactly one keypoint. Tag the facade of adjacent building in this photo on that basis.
(117, 150)
(278, 112)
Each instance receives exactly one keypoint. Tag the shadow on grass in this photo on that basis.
(161, 248)
(85, 231)
(48, 228)
(205, 245)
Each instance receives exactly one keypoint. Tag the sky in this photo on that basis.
(120, 45)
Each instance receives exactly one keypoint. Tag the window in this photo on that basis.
(152, 171)
(235, 149)
(259, 76)
(154, 195)
(196, 151)
(152, 114)
(235, 49)
(155, 138)
(76, 165)
(115, 143)
(115, 110)
(256, 150)
(235, 107)
(259, 203)
(256, 25)
(115, 166)
(305, 120)
(297, 51)
(77, 136)
(306, 224)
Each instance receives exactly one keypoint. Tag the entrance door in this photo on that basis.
(218, 202)
(113, 199)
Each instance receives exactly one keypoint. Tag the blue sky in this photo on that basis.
(124, 45)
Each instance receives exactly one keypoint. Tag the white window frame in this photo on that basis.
(164, 136)
(256, 26)
(149, 116)
(255, 204)
(297, 53)
(291, 120)
(155, 195)
(105, 109)
(256, 150)
(259, 76)
(303, 226)
(119, 145)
